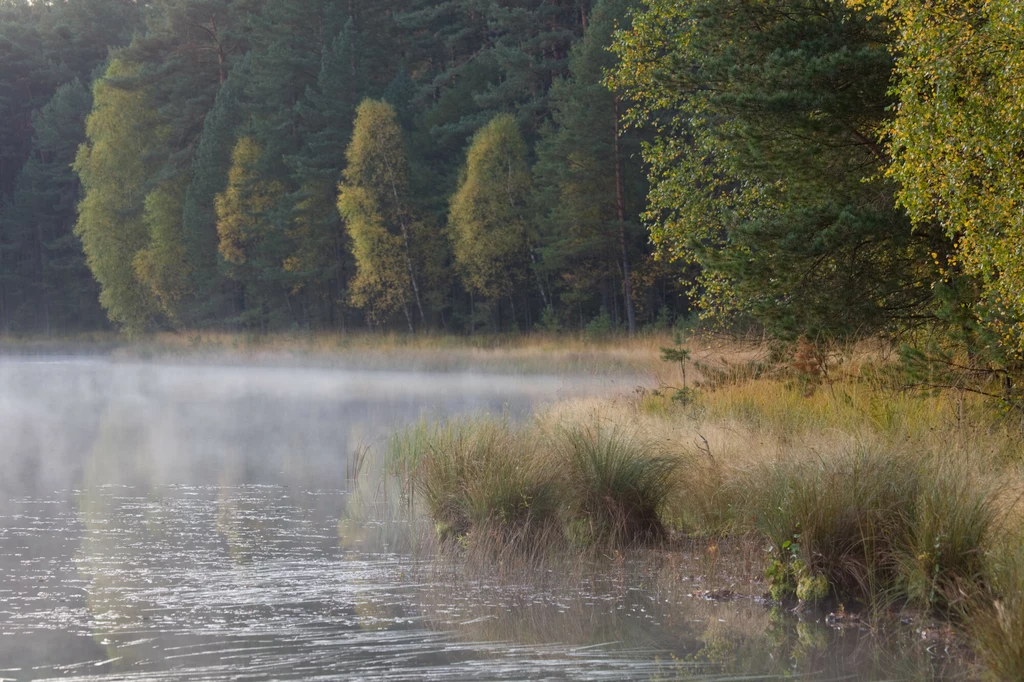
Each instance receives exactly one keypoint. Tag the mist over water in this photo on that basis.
(158, 423)
(196, 522)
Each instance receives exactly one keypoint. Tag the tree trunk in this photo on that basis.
(620, 205)
(4, 323)
(540, 280)
(408, 243)
(529, 244)
(472, 314)
(43, 284)
(408, 318)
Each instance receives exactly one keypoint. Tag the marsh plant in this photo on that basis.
(856, 495)
(616, 483)
(489, 480)
(479, 479)
(878, 527)
(996, 621)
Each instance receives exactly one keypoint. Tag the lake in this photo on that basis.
(201, 521)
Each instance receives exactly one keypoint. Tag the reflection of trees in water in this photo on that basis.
(48, 416)
(189, 422)
(189, 566)
(130, 441)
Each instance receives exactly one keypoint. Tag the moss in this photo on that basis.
(812, 589)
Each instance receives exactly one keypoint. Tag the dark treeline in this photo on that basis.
(817, 166)
(320, 164)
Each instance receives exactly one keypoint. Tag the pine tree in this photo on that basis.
(320, 261)
(59, 291)
(588, 171)
(215, 295)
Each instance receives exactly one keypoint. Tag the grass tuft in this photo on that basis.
(616, 482)
(834, 518)
(482, 478)
(996, 621)
(942, 562)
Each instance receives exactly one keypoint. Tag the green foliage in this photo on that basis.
(162, 266)
(601, 327)
(549, 321)
(374, 201)
(209, 178)
(955, 142)
(244, 225)
(48, 275)
(765, 168)
(114, 165)
(487, 220)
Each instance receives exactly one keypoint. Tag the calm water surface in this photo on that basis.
(198, 523)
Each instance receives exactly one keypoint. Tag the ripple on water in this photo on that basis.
(253, 582)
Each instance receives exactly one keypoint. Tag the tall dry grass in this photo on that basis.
(534, 353)
(858, 488)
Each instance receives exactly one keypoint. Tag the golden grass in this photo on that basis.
(535, 353)
(896, 497)
(950, 465)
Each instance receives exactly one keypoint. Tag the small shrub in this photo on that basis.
(601, 327)
(685, 396)
(663, 321)
(617, 483)
(677, 355)
(549, 321)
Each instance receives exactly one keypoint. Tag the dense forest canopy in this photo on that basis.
(825, 168)
(320, 164)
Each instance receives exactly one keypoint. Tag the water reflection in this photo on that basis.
(193, 523)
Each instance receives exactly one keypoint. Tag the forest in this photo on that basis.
(823, 169)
